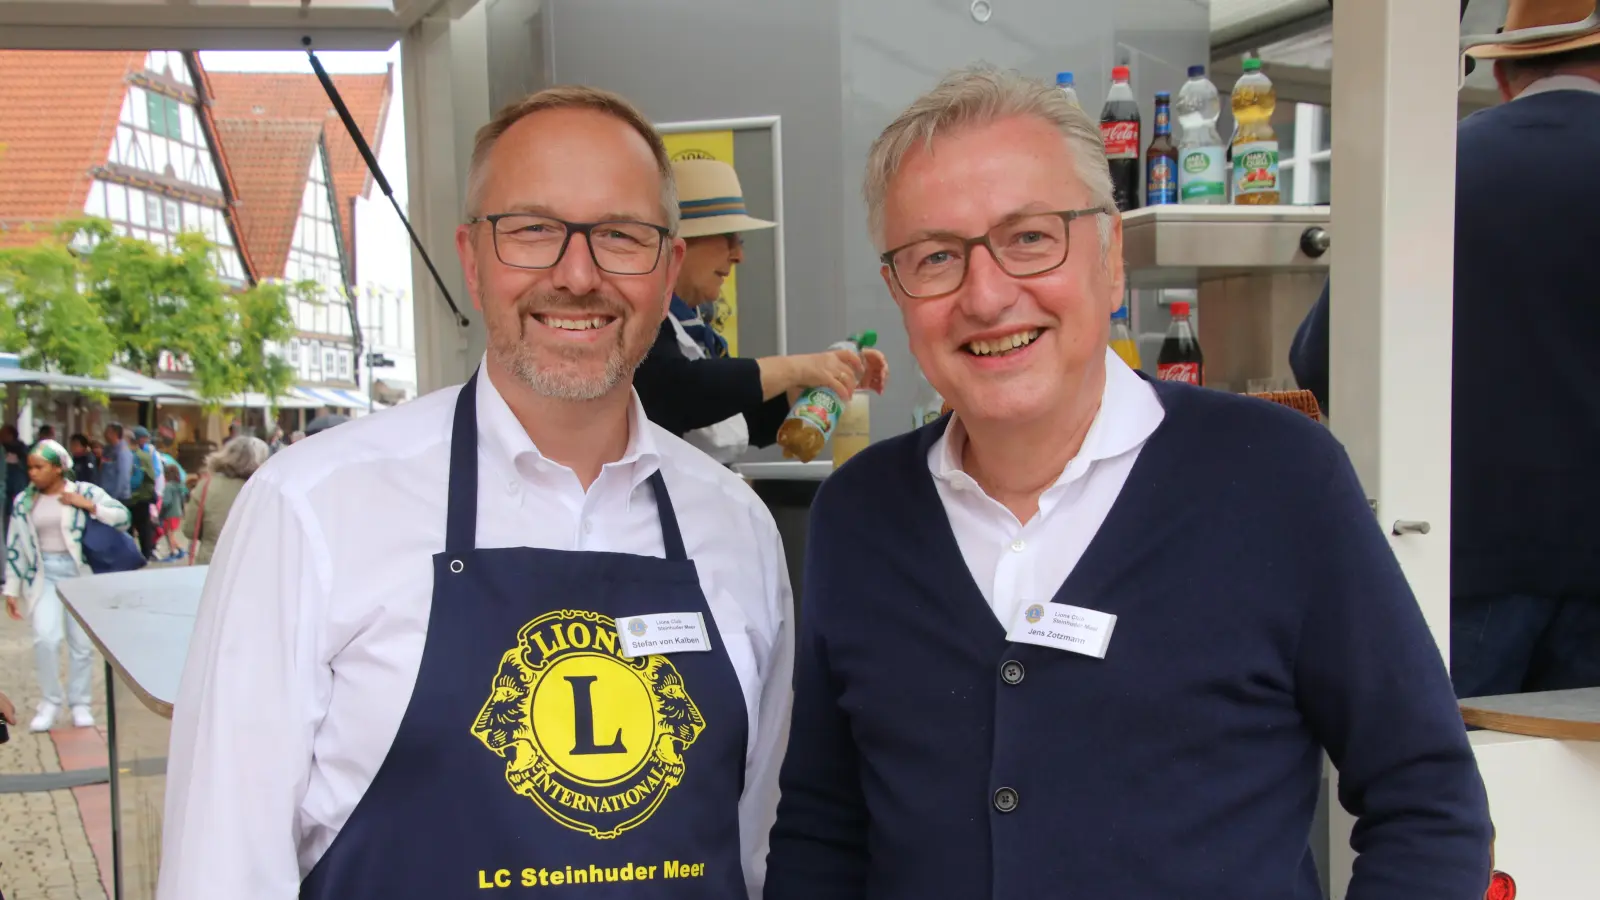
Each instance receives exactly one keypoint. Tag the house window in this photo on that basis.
(1305, 151)
(165, 119)
(344, 365)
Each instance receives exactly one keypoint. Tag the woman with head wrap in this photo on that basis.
(44, 546)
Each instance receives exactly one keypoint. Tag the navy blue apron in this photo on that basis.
(534, 759)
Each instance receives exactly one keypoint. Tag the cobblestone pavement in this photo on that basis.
(45, 849)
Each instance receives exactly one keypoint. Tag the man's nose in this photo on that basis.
(989, 290)
(576, 271)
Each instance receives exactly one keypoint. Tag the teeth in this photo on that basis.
(574, 324)
(1003, 344)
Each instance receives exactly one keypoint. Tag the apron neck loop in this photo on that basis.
(671, 537)
(461, 519)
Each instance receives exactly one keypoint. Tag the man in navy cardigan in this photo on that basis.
(1525, 420)
(1090, 636)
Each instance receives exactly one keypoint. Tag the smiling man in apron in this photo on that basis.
(510, 637)
(689, 384)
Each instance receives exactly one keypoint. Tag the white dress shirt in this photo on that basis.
(311, 627)
(1013, 562)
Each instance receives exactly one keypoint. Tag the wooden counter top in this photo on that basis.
(1563, 715)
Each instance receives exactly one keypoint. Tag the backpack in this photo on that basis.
(142, 481)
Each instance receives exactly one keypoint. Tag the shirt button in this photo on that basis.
(1005, 800)
(1011, 672)
(1017, 546)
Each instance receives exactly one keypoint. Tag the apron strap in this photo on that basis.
(671, 537)
(461, 519)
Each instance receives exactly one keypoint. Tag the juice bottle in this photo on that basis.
(1255, 146)
(1122, 342)
(813, 418)
(854, 430)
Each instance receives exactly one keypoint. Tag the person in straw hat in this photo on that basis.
(1524, 563)
(689, 384)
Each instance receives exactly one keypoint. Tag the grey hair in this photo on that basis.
(978, 95)
(238, 458)
(571, 97)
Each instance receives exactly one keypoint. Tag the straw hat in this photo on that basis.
(710, 200)
(1522, 14)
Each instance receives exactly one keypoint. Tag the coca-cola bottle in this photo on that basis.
(1180, 358)
(1119, 129)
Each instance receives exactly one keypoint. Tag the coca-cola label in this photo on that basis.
(1121, 139)
(1188, 372)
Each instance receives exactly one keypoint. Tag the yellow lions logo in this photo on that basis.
(691, 153)
(595, 739)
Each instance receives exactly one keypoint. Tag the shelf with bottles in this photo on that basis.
(1179, 245)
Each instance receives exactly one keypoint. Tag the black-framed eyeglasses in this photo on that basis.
(530, 241)
(1023, 246)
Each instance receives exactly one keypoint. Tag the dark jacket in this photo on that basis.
(681, 394)
(1525, 415)
(1261, 619)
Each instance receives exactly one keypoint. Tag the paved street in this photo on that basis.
(46, 853)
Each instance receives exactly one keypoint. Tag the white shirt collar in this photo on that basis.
(1129, 413)
(508, 442)
(1560, 83)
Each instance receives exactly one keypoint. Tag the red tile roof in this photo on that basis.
(58, 117)
(291, 97)
(269, 160)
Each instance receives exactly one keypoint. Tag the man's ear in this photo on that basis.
(467, 253)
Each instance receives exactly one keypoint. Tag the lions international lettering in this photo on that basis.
(595, 739)
(568, 876)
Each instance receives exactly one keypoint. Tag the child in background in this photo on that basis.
(173, 497)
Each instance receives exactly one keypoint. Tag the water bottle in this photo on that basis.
(1064, 84)
(1202, 176)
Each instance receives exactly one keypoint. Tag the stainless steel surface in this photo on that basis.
(816, 470)
(1179, 246)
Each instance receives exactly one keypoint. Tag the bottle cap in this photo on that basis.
(1196, 71)
(1163, 97)
(1064, 78)
(1119, 73)
(1120, 314)
(866, 339)
(1252, 64)
(1180, 308)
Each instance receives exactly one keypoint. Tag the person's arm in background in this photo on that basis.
(1308, 356)
(254, 688)
(682, 394)
(1374, 691)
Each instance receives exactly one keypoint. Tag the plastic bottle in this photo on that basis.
(928, 405)
(1161, 157)
(813, 418)
(1119, 131)
(854, 431)
(1255, 146)
(1122, 342)
(1064, 83)
(1202, 176)
(1180, 358)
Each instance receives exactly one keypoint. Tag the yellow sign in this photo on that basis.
(717, 145)
(595, 739)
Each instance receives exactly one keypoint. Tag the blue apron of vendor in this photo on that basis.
(536, 751)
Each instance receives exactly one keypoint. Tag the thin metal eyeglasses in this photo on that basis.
(620, 246)
(1023, 246)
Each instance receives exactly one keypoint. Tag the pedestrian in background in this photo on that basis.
(85, 461)
(226, 472)
(44, 546)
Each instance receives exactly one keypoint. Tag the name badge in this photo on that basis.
(663, 633)
(1064, 627)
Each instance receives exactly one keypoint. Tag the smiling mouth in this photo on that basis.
(1002, 346)
(583, 323)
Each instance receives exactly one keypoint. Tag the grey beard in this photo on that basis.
(515, 356)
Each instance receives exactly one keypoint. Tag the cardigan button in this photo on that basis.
(1005, 800)
(1011, 672)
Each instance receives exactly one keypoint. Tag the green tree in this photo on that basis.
(87, 296)
(48, 320)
